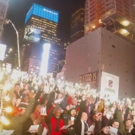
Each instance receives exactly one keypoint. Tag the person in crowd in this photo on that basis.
(17, 122)
(55, 118)
(54, 107)
(17, 92)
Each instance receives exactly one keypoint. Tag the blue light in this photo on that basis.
(42, 12)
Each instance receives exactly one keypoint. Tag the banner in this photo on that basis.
(90, 78)
(109, 86)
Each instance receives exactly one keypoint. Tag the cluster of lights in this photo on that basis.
(26, 45)
(34, 67)
(9, 51)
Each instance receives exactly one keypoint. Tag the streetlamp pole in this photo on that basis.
(18, 46)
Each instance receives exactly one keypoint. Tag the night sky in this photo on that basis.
(18, 9)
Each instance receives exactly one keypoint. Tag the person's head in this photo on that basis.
(57, 111)
(84, 116)
(45, 101)
(128, 102)
(105, 130)
(42, 86)
(115, 124)
(24, 84)
(128, 123)
(119, 107)
(17, 87)
(73, 112)
(38, 108)
(74, 101)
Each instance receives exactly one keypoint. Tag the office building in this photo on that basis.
(32, 57)
(98, 51)
(77, 25)
(3, 12)
(107, 48)
(118, 16)
(41, 25)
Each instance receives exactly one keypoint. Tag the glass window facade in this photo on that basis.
(42, 12)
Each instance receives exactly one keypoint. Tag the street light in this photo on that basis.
(17, 36)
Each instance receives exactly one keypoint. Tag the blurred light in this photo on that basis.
(1, 76)
(7, 87)
(124, 32)
(100, 21)
(4, 120)
(45, 58)
(8, 109)
(10, 49)
(59, 81)
(125, 23)
(93, 26)
(7, 98)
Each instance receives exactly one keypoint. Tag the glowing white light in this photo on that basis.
(58, 81)
(4, 120)
(7, 98)
(2, 51)
(8, 109)
(45, 57)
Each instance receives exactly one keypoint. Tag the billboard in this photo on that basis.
(32, 34)
(109, 86)
(90, 78)
(2, 51)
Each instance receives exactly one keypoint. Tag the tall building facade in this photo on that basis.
(118, 16)
(108, 46)
(3, 12)
(77, 25)
(41, 25)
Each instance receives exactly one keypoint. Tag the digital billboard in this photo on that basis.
(32, 34)
(42, 12)
(2, 51)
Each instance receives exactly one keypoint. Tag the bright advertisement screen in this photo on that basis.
(45, 58)
(2, 51)
(42, 12)
(32, 34)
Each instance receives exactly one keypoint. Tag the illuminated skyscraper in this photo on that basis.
(77, 25)
(41, 28)
(3, 12)
(117, 16)
(41, 23)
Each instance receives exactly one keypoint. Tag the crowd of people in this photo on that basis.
(56, 107)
